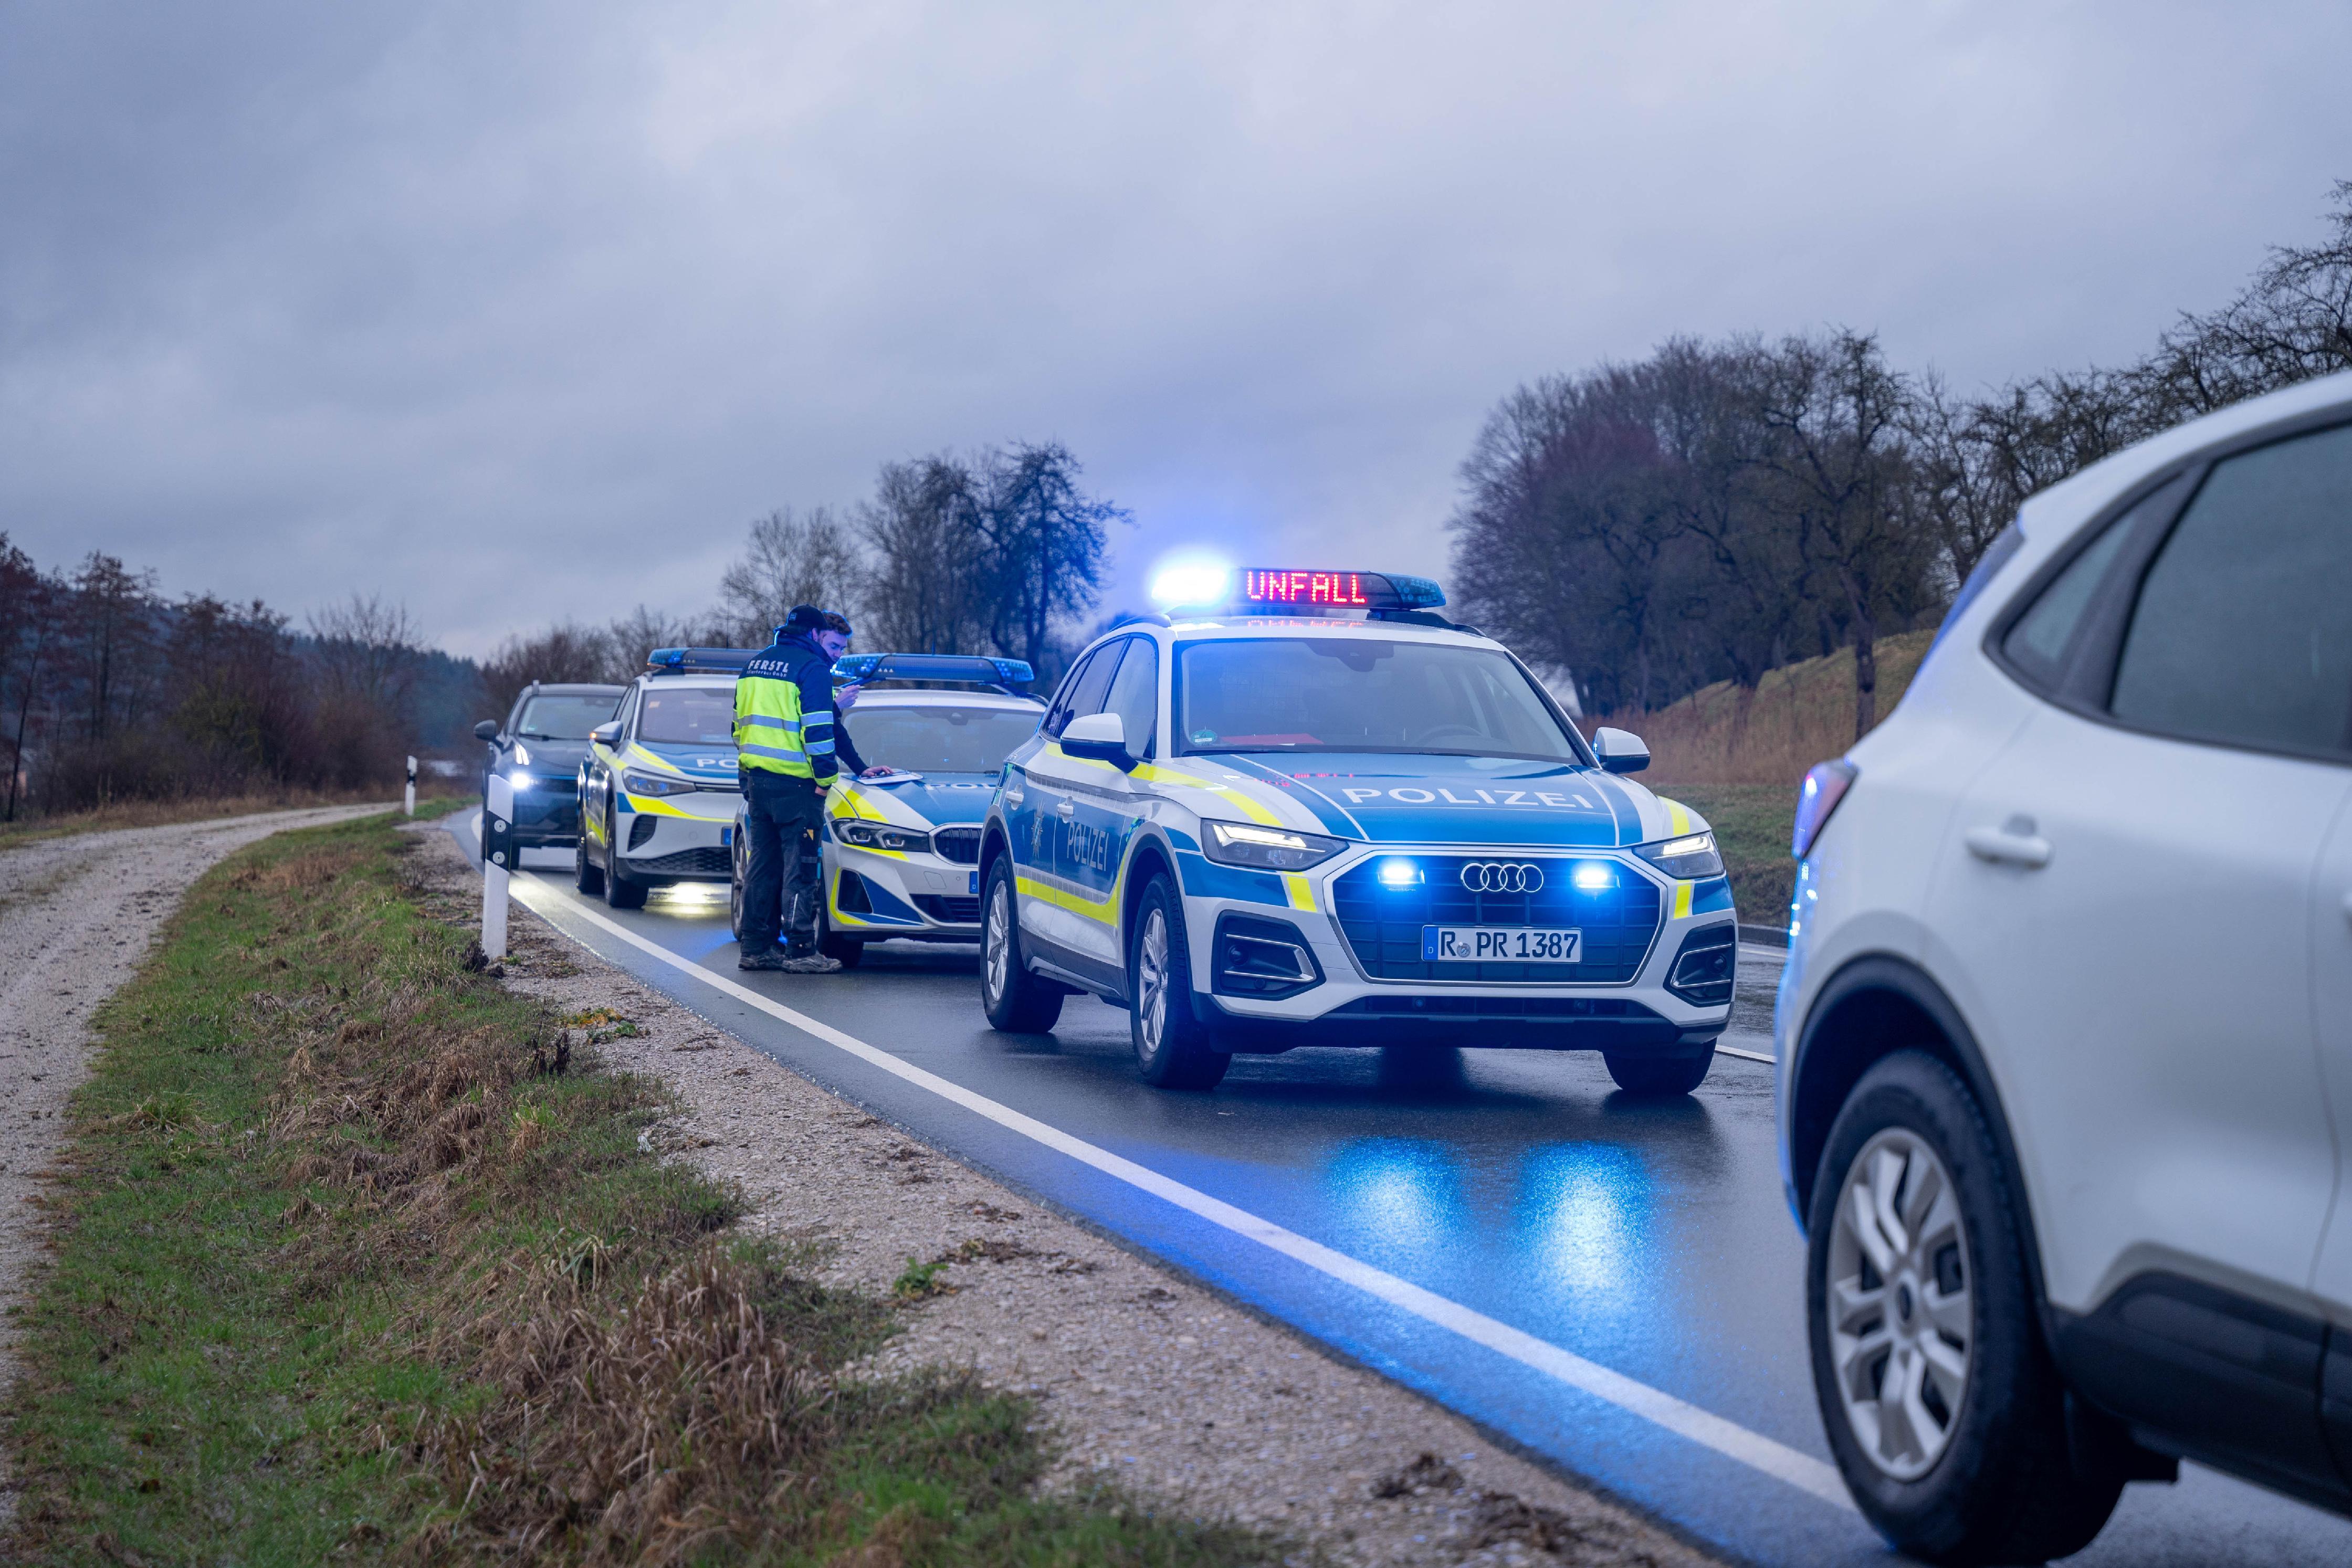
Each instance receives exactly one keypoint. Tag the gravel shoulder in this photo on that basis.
(77, 915)
(1145, 1379)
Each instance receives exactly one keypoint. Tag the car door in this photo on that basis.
(1046, 903)
(1106, 806)
(2125, 896)
(2331, 996)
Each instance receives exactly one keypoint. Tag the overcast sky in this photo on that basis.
(518, 311)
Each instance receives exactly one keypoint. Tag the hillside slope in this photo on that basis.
(1737, 757)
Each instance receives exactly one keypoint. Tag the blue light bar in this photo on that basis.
(948, 669)
(699, 661)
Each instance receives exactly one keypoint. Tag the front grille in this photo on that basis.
(948, 909)
(1496, 1007)
(710, 862)
(960, 845)
(1384, 925)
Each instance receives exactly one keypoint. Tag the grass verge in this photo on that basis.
(1752, 825)
(360, 1255)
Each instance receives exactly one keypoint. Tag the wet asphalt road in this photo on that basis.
(1649, 1238)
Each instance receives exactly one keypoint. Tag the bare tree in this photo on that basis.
(1835, 411)
(569, 652)
(1046, 544)
(807, 557)
(929, 577)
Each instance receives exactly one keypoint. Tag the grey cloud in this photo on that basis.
(522, 313)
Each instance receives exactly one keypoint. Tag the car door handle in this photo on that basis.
(2008, 846)
(2348, 906)
(1065, 808)
(1015, 796)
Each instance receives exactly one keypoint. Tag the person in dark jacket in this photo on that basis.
(789, 748)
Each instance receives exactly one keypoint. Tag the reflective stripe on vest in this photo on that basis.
(771, 709)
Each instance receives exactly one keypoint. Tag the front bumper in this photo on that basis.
(684, 838)
(1344, 1004)
(881, 896)
(547, 814)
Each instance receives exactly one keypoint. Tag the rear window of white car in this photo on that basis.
(1361, 694)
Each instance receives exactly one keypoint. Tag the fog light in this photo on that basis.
(1593, 878)
(1400, 874)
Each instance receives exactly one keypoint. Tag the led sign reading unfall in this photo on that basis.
(1299, 588)
(1290, 586)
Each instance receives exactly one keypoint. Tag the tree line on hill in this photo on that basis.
(1721, 507)
(110, 692)
(997, 551)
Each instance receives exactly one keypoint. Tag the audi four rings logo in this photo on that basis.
(1502, 876)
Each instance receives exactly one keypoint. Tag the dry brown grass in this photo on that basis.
(1797, 715)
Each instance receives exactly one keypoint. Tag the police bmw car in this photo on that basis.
(1331, 816)
(658, 794)
(899, 851)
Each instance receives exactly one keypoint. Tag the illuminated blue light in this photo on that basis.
(1193, 584)
(1592, 877)
(1394, 873)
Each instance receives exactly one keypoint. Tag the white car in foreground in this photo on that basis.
(2065, 1034)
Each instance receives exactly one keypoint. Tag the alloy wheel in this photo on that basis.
(1151, 981)
(996, 945)
(1900, 1327)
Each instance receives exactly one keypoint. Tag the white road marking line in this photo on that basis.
(1677, 1415)
(1750, 1055)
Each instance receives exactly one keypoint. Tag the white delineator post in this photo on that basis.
(498, 859)
(408, 803)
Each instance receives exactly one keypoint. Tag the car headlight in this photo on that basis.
(1266, 849)
(523, 781)
(522, 753)
(1685, 859)
(655, 784)
(868, 835)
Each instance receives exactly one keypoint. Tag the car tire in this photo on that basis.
(1972, 1466)
(735, 888)
(620, 893)
(586, 874)
(1174, 1047)
(1016, 1002)
(1660, 1075)
(849, 950)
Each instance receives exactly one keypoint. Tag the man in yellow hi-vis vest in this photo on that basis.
(786, 744)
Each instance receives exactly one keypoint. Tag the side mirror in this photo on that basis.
(606, 734)
(487, 730)
(1619, 750)
(1100, 737)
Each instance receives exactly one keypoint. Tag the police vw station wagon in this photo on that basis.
(1326, 815)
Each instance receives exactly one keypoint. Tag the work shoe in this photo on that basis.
(771, 959)
(809, 964)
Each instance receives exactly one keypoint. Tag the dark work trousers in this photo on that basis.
(781, 885)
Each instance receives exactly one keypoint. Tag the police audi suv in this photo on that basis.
(658, 793)
(901, 850)
(2065, 1034)
(1331, 816)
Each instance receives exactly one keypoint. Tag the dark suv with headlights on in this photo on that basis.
(539, 750)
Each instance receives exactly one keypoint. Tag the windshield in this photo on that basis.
(1356, 694)
(941, 739)
(564, 717)
(688, 715)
